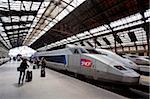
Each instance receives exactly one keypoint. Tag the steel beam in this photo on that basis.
(16, 13)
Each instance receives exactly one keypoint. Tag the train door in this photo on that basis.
(74, 61)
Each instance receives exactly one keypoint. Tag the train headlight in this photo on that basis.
(119, 67)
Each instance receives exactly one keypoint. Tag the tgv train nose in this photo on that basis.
(131, 74)
(130, 80)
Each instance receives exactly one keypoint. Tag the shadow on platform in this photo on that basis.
(18, 85)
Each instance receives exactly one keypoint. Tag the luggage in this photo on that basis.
(38, 66)
(42, 72)
(20, 69)
(34, 67)
(29, 76)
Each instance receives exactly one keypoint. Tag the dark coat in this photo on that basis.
(43, 64)
(24, 66)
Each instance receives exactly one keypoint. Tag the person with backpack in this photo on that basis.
(22, 68)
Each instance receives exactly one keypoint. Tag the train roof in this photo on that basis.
(56, 52)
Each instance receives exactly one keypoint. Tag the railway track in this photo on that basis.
(137, 91)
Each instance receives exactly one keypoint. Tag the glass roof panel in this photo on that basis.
(1, 29)
(147, 13)
(119, 24)
(6, 19)
(21, 6)
(94, 30)
(69, 39)
(57, 11)
(3, 34)
(69, 9)
(76, 3)
(15, 27)
(35, 5)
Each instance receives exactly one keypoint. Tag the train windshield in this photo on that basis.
(92, 51)
(83, 50)
(133, 56)
(78, 50)
(147, 58)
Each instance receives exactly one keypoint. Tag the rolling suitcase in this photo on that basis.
(42, 72)
(34, 67)
(29, 76)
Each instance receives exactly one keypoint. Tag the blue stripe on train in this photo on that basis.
(56, 59)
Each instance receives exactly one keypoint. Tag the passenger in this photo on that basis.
(23, 67)
(43, 63)
(38, 63)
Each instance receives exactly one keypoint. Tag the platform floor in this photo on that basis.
(53, 86)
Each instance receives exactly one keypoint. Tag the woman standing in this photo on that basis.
(23, 67)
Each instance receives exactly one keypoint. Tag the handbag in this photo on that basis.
(18, 69)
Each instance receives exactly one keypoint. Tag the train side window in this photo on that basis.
(76, 51)
(133, 56)
(92, 51)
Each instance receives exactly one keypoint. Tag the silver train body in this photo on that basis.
(96, 66)
(128, 63)
(139, 60)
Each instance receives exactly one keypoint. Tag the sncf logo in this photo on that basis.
(86, 62)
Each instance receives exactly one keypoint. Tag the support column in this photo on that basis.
(146, 28)
(114, 34)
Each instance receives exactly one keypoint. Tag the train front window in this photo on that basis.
(147, 58)
(133, 56)
(102, 53)
(76, 51)
(92, 51)
(83, 50)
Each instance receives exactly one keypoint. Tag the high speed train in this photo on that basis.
(128, 63)
(89, 63)
(139, 60)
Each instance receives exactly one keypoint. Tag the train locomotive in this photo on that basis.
(128, 63)
(89, 63)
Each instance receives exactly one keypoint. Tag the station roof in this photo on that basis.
(51, 23)
(20, 18)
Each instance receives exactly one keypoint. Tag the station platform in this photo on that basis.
(54, 86)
